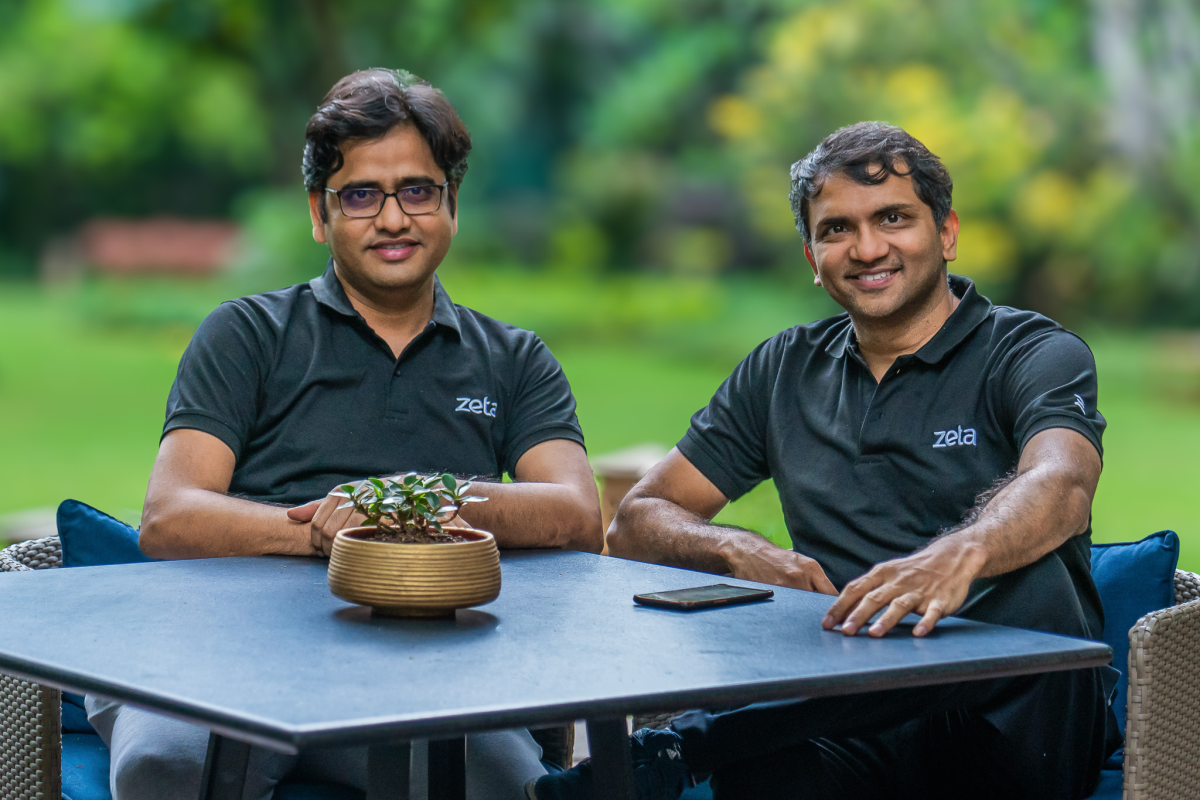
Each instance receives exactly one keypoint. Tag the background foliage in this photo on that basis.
(619, 135)
(626, 196)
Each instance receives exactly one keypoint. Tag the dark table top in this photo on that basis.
(258, 649)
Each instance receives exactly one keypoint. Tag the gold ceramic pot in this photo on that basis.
(415, 580)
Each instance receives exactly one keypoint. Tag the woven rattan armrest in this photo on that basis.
(30, 714)
(1162, 734)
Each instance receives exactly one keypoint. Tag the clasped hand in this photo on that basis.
(325, 518)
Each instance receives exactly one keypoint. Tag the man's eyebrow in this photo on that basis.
(407, 180)
(894, 208)
(829, 222)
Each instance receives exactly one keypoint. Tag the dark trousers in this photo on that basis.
(1038, 736)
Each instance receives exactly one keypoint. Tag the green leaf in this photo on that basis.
(411, 478)
(378, 484)
(346, 505)
(448, 481)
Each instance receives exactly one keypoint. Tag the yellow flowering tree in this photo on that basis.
(1002, 96)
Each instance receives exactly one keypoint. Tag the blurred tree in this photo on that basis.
(624, 134)
(1005, 92)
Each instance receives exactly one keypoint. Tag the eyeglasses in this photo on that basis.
(413, 200)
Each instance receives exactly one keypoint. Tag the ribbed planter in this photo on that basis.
(415, 580)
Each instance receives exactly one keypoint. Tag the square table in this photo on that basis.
(259, 652)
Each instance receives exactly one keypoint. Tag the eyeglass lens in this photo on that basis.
(369, 202)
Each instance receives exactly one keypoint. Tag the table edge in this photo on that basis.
(290, 739)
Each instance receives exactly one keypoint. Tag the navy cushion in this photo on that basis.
(74, 716)
(1133, 579)
(91, 538)
(1111, 785)
(84, 767)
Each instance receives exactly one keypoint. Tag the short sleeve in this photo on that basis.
(727, 439)
(1050, 382)
(217, 386)
(542, 407)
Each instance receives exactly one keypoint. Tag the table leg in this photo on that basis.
(225, 765)
(388, 771)
(612, 769)
(448, 769)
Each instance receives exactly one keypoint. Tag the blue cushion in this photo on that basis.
(84, 767)
(74, 716)
(1133, 579)
(91, 538)
(1111, 785)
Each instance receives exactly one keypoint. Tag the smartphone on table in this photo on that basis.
(720, 594)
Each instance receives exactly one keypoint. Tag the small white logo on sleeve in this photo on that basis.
(954, 438)
(471, 406)
(1079, 402)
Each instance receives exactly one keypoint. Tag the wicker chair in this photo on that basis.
(30, 726)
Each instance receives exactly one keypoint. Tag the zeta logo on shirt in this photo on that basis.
(484, 407)
(955, 437)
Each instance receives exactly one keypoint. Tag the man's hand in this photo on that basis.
(325, 519)
(752, 558)
(932, 582)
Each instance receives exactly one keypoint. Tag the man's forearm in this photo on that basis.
(658, 531)
(530, 514)
(1030, 517)
(197, 523)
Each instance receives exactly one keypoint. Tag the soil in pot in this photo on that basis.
(393, 536)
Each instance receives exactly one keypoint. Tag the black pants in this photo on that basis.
(1036, 736)
(1039, 736)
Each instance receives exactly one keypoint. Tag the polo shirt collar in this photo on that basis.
(972, 310)
(328, 291)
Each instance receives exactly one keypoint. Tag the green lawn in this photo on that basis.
(84, 375)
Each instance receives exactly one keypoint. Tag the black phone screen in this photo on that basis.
(721, 594)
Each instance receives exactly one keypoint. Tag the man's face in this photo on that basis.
(392, 250)
(876, 249)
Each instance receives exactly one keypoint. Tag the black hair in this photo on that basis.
(868, 152)
(369, 103)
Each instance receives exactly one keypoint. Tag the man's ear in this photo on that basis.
(453, 189)
(950, 236)
(812, 262)
(316, 201)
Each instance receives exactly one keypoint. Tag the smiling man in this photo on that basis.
(935, 454)
(369, 369)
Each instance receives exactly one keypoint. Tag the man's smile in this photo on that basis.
(874, 278)
(395, 249)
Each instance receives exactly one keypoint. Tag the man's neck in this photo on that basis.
(397, 317)
(882, 341)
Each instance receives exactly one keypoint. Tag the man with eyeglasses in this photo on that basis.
(369, 369)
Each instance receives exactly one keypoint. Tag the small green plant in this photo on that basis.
(408, 507)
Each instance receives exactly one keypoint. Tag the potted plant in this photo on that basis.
(403, 561)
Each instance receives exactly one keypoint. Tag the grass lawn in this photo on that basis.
(84, 376)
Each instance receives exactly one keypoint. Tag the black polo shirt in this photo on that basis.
(307, 396)
(870, 471)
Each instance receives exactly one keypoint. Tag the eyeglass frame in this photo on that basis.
(396, 194)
